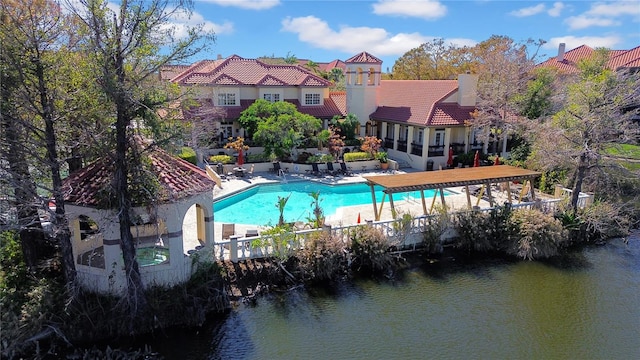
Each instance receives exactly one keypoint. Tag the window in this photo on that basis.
(226, 99)
(272, 97)
(439, 137)
(312, 99)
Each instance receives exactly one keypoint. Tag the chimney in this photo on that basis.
(219, 56)
(560, 57)
(467, 89)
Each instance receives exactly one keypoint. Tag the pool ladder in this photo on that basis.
(281, 173)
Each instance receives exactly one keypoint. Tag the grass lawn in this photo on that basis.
(624, 150)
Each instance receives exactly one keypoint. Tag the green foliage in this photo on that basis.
(433, 229)
(538, 235)
(278, 126)
(382, 156)
(370, 249)
(323, 257)
(535, 102)
(321, 158)
(464, 159)
(520, 153)
(480, 232)
(282, 202)
(281, 239)
(189, 155)
(318, 214)
(356, 156)
(604, 220)
(223, 159)
(261, 157)
(549, 179)
(623, 150)
(347, 126)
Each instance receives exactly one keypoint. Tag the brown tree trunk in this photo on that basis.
(581, 172)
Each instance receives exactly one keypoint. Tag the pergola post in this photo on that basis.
(433, 202)
(373, 200)
(444, 205)
(489, 194)
(466, 188)
(424, 202)
(393, 209)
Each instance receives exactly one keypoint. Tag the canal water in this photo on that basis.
(585, 306)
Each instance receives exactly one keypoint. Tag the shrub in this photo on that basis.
(356, 156)
(432, 231)
(602, 220)
(370, 249)
(261, 157)
(323, 257)
(224, 159)
(189, 155)
(483, 231)
(538, 235)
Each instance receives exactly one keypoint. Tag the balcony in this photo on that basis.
(416, 149)
(388, 143)
(436, 150)
(402, 145)
(458, 148)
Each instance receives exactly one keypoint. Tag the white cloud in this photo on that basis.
(425, 9)
(317, 33)
(573, 42)
(556, 9)
(604, 14)
(613, 9)
(182, 21)
(585, 21)
(528, 11)
(245, 4)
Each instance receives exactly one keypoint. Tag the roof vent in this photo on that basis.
(560, 57)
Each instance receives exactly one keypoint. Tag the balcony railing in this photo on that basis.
(388, 143)
(458, 148)
(416, 149)
(402, 145)
(436, 150)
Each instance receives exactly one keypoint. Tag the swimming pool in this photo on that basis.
(257, 205)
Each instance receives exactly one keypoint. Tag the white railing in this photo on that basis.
(401, 237)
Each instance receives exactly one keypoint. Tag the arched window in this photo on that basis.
(359, 75)
(371, 78)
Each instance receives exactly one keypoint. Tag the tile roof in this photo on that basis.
(168, 72)
(363, 58)
(617, 59)
(239, 71)
(178, 179)
(420, 102)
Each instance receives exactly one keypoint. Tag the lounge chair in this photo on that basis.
(343, 168)
(228, 230)
(330, 170)
(315, 170)
(251, 233)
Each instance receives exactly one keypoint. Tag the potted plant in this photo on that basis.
(383, 157)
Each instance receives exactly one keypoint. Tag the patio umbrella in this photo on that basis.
(240, 158)
(497, 161)
(476, 159)
(450, 159)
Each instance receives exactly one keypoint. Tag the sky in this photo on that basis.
(325, 30)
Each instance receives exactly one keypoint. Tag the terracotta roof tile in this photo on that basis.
(340, 99)
(178, 179)
(419, 102)
(247, 72)
(363, 58)
(617, 59)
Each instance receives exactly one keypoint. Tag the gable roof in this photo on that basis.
(363, 58)
(617, 59)
(178, 179)
(247, 72)
(420, 102)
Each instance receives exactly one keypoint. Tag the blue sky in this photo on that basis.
(324, 30)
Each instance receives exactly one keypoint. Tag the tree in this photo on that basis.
(347, 127)
(278, 126)
(591, 118)
(34, 33)
(431, 61)
(125, 48)
(503, 67)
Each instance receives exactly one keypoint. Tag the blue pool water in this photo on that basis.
(257, 205)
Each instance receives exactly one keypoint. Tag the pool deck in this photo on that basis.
(345, 215)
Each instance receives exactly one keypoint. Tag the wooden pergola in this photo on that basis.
(439, 180)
